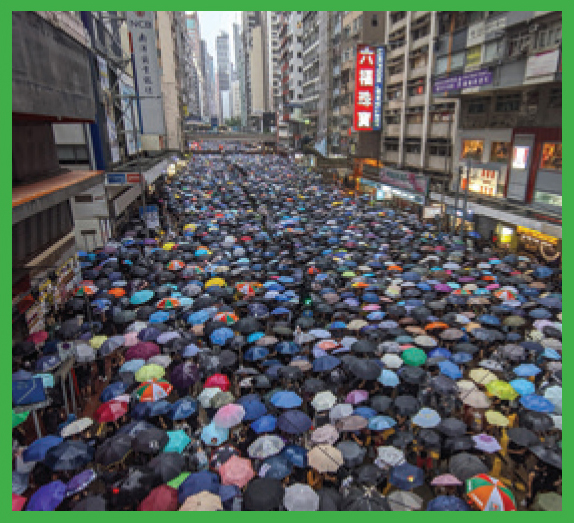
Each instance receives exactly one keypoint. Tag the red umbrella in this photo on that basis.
(143, 350)
(218, 380)
(110, 411)
(18, 501)
(38, 337)
(160, 498)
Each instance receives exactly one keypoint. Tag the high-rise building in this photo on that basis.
(210, 80)
(198, 95)
(240, 68)
(224, 73)
(274, 53)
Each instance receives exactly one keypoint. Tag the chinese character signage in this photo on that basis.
(369, 80)
(463, 81)
(141, 25)
(413, 182)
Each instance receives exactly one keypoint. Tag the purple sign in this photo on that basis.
(462, 81)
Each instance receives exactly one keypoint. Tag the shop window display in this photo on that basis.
(551, 156)
(472, 149)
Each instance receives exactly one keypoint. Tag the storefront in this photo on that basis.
(539, 244)
(402, 187)
(506, 236)
(456, 219)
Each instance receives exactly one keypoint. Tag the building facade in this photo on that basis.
(224, 74)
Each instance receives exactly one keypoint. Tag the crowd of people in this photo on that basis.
(280, 346)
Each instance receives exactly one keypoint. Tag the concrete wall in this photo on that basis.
(50, 71)
(34, 152)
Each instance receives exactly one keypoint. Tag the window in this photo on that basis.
(546, 198)
(473, 55)
(457, 60)
(500, 152)
(441, 65)
(551, 156)
(391, 146)
(548, 37)
(507, 103)
(442, 149)
(300, 69)
(298, 55)
(493, 51)
(413, 148)
(472, 149)
(478, 105)
(519, 43)
(555, 98)
(439, 117)
(415, 118)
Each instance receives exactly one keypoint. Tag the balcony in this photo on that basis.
(396, 78)
(438, 163)
(392, 129)
(413, 159)
(417, 72)
(336, 111)
(336, 92)
(440, 130)
(391, 157)
(414, 129)
(420, 42)
(398, 25)
(398, 51)
(395, 104)
(415, 100)
(336, 71)
(415, 15)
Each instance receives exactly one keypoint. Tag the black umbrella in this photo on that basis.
(535, 421)
(314, 385)
(137, 484)
(406, 405)
(133, 427)
(363, 347)
(429, 438)
(329, 499)
(247, 325)
(465, 465)
(168, 465)
(263, 494)
(113, 450)
(150, 441)
(401, 439)
(69, 455)
(367, 499)
(459, 443)
(381, 403)
(91, 503)
(443, 385)
(365, 369)
(548, 455)
(369, 474)
(412, 375)
(523, 437)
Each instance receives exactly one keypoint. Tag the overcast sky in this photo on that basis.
(211, 23)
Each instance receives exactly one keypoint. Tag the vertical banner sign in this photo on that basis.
(141, 27)
(369, 88)
(379, 81)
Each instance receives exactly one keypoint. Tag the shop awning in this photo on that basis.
(33, 198)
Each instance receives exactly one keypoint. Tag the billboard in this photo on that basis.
(369, 80)
(462, 81)
(127, 91)
(413, 182)
(141, 26)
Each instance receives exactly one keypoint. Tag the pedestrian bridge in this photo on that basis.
(232, 137)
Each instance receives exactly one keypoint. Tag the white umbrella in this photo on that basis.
(388, 457)
(137, 326)
(554, 395)
(265, 447)
(163, 360)
(84, 353)
(76, 427)
(392, 361)
(324, 400)
(206, 396)
(404, 501)
(325, 434)
(340, 411)
(300, 497)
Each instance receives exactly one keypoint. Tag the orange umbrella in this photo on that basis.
(360, 285)
(118, 292)
(313, 270)
(327, 345)
(86, 290)
(436, 325)
(175, 265)
(168, 303)
(394, 268)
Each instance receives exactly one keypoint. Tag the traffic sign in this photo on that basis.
(116, 178)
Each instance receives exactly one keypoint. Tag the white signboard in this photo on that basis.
(142, 30)
(475, 34)
(542, 64)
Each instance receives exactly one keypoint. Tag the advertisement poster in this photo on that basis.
(151, 215)
(520, 157)
(369, 81)
(126, 91)
(405, 180)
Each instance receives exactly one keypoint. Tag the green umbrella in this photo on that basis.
(349, 274)
(176, 482)
(19, 417)
(414, 356)
(548, 501)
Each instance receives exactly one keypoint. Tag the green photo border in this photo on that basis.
(246, 517)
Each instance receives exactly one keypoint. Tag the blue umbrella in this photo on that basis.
(228, 492)
(191, 350)
(69, 455)
(276, 467)
(325, 363)
(37, 449)
(253, 407)
(183, 408)
(388, 378)
(113, 390)
(149, 334)
(198, 318)
(132, 366)
(447, 504)
(254, 336)
(537, 403)
(258, 310)
(221, 336)
(381, 423)
(287, 348)
(178, 440)
(369, 297)
(542, 272)
(551, 354)
(411, 276)
(295, 454)
(540, 314)
(47, 497)
(294, 422)
(196, 483)
(523, 387)
(159, 317)
(286, 399)
(489, 319)
(80, 481)
(365, 412)
(439, 352)
(407, 476)
(266, 423)
(256, 353)
(337, 325)
(527, 369)
(47, 363)
(280, 310)
(158, 408)
(140, 411)
(450, 369)
(141, 297)
(214, 436)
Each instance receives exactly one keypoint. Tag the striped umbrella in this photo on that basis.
(488, 493)
(154, 390)
(168, 303)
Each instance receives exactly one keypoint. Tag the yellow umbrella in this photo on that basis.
(190, 226)
(219, 282)
(96, 341)
(482, 376)
(168, 246)
(473, 325)
(501, 390)
(496, 418)
(150, 372)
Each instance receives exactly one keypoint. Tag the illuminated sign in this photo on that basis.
(520, 157)
(369, 79)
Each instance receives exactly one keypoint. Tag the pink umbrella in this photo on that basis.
(356, 396)
(18, 501)
(236, 471)
(327, 345)
(131, 339)
(493, 286)
(371, 307)
(446, 480)
(325, 434)
(540, 324)
(228, 416)
(38, 337)
(442, 287)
